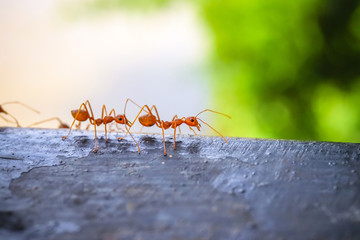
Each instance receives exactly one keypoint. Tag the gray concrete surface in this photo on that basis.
(205, 189)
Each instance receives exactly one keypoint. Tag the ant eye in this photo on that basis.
(192, 120)
(120, 119)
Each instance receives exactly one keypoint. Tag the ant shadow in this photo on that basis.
(82, 141)
(149, 141)
(194, 148)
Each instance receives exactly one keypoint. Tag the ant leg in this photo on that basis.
(142, 109)
(103, 110)
(137, 116)
(64, 137)
(157, 114)
(133, 138)
(23, 104)
(95, 139)
(121, 138)
(92, 114)
(214, 130)
(16, 102)
(192, 130)
(176, 117)
(127, 131)
(174, 136)
(90, 119)
(111, 124)
(162, 126)
(119, 128)
(106, 139)
(116, 124)
(102, 117)
(110, 128)
(7, 120)
(112, 111)
(62, 124)
(127, 100)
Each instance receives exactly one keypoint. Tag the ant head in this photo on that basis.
(192, 122)
(121, 119)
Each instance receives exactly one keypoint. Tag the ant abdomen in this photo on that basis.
(81, 115)
(147, 120)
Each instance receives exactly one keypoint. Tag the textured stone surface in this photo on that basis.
(205, 189)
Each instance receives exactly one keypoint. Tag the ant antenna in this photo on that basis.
(213, 112)
(62, 124)
(5, 119)
(214, 129)
(23, 104)
(127, 100)
(15, 102)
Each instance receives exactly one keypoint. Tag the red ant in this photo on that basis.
(61, 123)
(150, 119)
(82, 115)
(191, 122)
(6, 113)
(147, 120)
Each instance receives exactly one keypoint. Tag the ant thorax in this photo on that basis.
(108, 119)
(98, 121)
(177, 122)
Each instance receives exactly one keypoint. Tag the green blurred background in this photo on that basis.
(281, 69)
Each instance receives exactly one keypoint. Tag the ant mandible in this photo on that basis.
(192, 121)
(82, 115)
(6, 113)
(146, 120)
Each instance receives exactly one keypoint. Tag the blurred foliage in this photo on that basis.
(92, 7)
(291, 68)
(281, 69)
